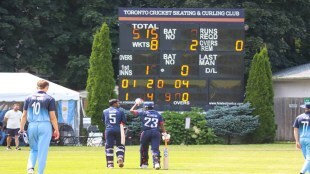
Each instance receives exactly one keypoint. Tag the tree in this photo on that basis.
(229, 122)
(259, 93)
(283, 27)
(100, 81)
(83, 18)
(22, 37)
(53, 39)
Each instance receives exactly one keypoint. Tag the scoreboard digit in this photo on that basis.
(181, 58)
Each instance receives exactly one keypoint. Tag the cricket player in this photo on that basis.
(302, 136)
(152, 124)
(113, 117)
(39, 111)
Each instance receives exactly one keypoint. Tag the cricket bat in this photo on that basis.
(123, 138)
(166, 156)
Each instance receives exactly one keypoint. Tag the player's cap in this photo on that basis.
(148, 105)
(305, 106)
(112, 101)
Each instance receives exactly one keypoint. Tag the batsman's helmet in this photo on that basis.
(148, 105)
(112, 101)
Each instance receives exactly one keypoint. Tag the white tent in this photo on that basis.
(15, 87)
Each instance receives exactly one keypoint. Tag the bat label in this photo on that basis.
(166, 153)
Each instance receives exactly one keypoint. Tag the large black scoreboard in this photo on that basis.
(181, 58)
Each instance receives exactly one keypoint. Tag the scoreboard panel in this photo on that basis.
(181, 58)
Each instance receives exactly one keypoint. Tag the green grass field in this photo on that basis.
(209, 159)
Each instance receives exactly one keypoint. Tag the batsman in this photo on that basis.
(114, 119)
(152, 125)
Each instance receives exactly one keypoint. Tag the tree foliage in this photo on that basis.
(134, 127)
(100, 81)
(198, 133)
(259, 93)
(282, 27)
(230, 122)
(53, 39)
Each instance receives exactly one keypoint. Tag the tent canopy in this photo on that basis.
(17, 86)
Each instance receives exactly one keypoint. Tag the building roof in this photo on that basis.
(301, 72)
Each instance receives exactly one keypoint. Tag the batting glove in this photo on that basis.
(165, 136)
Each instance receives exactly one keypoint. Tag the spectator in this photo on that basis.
(12, 122)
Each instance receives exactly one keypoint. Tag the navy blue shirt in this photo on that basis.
(302, 123)
(113, 117)
(150, 119)
(38, 106)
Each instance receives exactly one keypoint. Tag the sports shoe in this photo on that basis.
(157, 166)
(30, 171)
(144, 166)
(18, 148)
(110, 166)
(120, 162)
(8, 148)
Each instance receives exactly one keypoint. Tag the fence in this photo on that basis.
(286, 110)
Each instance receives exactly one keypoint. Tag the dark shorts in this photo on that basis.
(12, 132)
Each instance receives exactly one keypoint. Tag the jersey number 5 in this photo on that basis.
(112, 118)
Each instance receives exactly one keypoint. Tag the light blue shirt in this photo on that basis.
(302, 122)
(38, 107)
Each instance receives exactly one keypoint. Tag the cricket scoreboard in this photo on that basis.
(181, 58)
